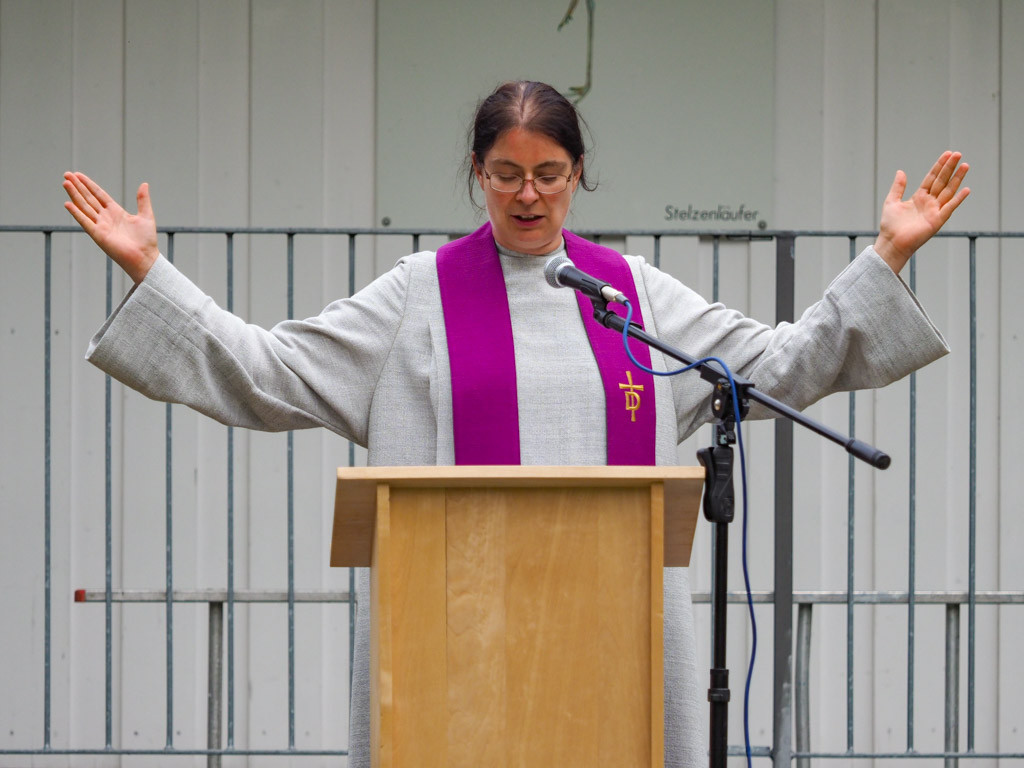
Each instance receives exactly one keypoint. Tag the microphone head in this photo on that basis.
(554, 264)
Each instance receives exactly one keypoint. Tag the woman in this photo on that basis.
(395, 367)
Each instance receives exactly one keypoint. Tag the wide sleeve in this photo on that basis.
(867, 331)
(171, 342)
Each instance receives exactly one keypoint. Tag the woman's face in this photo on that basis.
(526, 221)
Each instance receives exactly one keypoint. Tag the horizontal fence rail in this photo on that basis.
(792, 711)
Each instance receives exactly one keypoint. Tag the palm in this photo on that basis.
(128, 239)
(121, 232)
(913, 221)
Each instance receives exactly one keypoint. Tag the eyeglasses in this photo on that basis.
(510, 182)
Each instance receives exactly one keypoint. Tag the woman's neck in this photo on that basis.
(519, 255)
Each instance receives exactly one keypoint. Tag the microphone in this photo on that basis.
(561, 273)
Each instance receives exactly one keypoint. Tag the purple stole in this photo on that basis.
(485, 409)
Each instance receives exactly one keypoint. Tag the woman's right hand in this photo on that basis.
(129, 240)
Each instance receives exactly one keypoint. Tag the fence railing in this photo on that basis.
(792, 720)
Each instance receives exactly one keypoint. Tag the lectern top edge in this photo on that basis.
(357, 497)
(494, 474)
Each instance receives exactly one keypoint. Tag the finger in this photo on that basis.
(953, 184)
(75, 195)
(899, 186)
(84, 193)
(83, 220)
(952, 205)
(933, 174)
(960, 173)
(145, 204)
(945, 172)
(97, 191)
(948, 170)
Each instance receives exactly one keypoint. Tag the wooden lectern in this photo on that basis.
(516, 611)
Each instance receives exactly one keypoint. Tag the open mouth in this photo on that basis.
(527, 217)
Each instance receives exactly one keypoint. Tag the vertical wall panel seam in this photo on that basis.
(197, 94)
(249, 128)
(247, 644)
(199, 675)
(872, 689)
(323, 131)
(1000, 82)
(323, 615)
(822, 120)
(117, 642)
(997, 696)
(73, 423)
(875, 116)
(1, 86)
(376, 123)
(124, 97)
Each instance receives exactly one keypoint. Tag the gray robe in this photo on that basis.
(374, 369)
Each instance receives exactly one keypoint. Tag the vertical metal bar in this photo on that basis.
(108, 529)
(168, 551)
(352, 604)
(657, 251)
(952, 741)
(714, 267)
(47, 521)
(851, 505)
(351, 291)
(802, 682)
(291, 523)
(973, 498)
(415, 246)
(782, 726)
(912, 541)
(231, 518)
(352, 462)
(214, 691)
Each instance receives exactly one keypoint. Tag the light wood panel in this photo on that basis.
(656, 601)
(477, 626)
(552, 637)
(552, 657)
(418, 631)
(381, 656)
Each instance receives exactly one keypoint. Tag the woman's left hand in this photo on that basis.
(908, 224)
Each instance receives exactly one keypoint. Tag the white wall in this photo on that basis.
(262, 113)
(236, 113)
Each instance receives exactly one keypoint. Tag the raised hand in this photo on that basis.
(130, 240)
(906, 225)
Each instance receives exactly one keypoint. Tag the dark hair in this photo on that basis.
(531, 106)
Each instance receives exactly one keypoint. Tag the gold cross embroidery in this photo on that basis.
(632, 392)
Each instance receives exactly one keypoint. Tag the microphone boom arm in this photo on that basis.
(711, 372)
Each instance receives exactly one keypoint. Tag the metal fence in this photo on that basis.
(791, 709)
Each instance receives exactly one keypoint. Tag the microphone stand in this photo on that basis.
(719, 505)
(719, 498)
